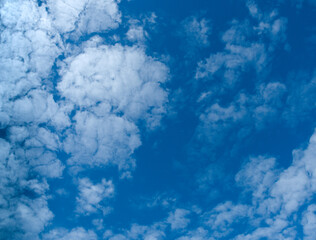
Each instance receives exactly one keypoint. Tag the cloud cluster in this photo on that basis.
(153, 232)
(244, 115)
(241, 97)
(237, 98)
(90, 109)
(29, 46)
(74, 234)
(178, 219)
(247, 46)
(112, 89)
(91, 196)
(270, 203)
(309, 222)
(196, 32)
(85, 16)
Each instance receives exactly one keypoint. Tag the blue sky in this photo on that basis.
(134, 119)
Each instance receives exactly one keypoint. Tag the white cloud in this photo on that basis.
(216, 113)
(98, 223)
(178, 219)
(309, 222)
(234, 60)
(21, 216)
(136, 33)
(196, 31)
(75, 234)
(114, 87)
(98, 141)
(244, 47)
(281, 201)
(139, 28)
(33, 216)
(29, 46)
(217, 121)
(121, 77)
(257, 176)
(152, 232)
(93, 196)
(270, 204)
(84, 16)
(198, 234)
(35, 117)
(224, 215)
(222, 122)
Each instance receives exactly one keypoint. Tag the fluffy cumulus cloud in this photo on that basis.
(112, 89)
(92, 196)
(138, 29)
(285, 196)
(309, 222)
(178, 219)
(29, 46)
(84, 17)
(92, 112)
(269, 206)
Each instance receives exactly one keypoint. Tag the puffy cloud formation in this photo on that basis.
(84, 16)
(113, 88)
(138, 29)
(23, 205)
(74, 234)
(121, 77)
(309, 222)
(92, 112)
(91, 196)
(276, 198)
(178, 219)
(29, 46)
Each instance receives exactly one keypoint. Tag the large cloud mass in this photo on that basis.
(92, 112)
(112, 88)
